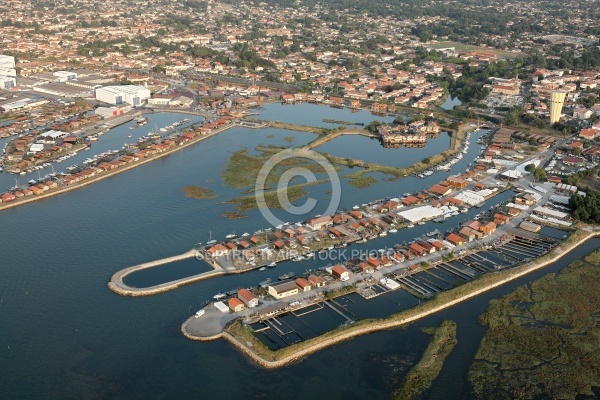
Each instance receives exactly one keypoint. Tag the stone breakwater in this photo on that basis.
(117, 285)
(409, 316)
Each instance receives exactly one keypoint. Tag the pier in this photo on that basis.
(117, 285)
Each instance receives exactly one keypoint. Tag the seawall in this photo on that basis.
(117, 285)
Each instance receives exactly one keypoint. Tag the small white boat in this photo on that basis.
(272, 264)
(262, 268)
(421, 222)
(383, 234)
(210, 242)
(246, 234)
(393, 230)
(200, 313)
(231, 236)
(410, 225)
(219, 296)
(355, 207)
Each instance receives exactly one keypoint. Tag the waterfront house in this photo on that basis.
(488, 228)
(366, 267)
(303, 240)
(217, 250)
(374, 262)
(513, 212)
(303, 284)
(455, 239)
(355, 214)
(473, 225)
(8, 197)
(471, 234)
(500, 219)
(410, 201)
(457, 182)
(440, 190)
(429, 247)
(281, 290)
(248, 298)
(236, 304)
(339, 271)
(398, 257)
(335, 232)
(417, 250)
(385, 261)
(289, 232)
(316, 281)
(438, 245)
(318, 223)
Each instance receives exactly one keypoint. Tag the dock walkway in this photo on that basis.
(117, 285)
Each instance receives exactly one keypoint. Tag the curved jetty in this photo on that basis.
(117, 285)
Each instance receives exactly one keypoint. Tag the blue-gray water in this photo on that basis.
(450, 102)
(66, 336)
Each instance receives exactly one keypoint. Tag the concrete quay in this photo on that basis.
(117, 285)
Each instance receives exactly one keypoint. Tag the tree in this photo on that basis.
(539, 174)
(530, 167)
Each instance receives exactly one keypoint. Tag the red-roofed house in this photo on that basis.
(303, 284)
(340, 272)
(249, 298)
(236, 304)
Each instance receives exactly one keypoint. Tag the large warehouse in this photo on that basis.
(125, 94)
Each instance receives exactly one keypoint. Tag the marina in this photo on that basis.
(129, 219)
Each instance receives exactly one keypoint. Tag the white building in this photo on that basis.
(7, 82)
(64, 76)
(129, 94)
(7, 61)
(7, 66)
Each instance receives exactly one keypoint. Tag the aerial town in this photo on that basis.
(466, 137)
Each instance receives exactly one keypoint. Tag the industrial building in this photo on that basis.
(133, 95)
(7, 82)
(7, 66)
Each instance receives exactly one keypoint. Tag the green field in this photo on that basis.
(466, 47)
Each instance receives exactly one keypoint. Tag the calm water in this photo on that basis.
(313, 115)
(65, 335)
(450, 102)
(112, 140)
(367, 149)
